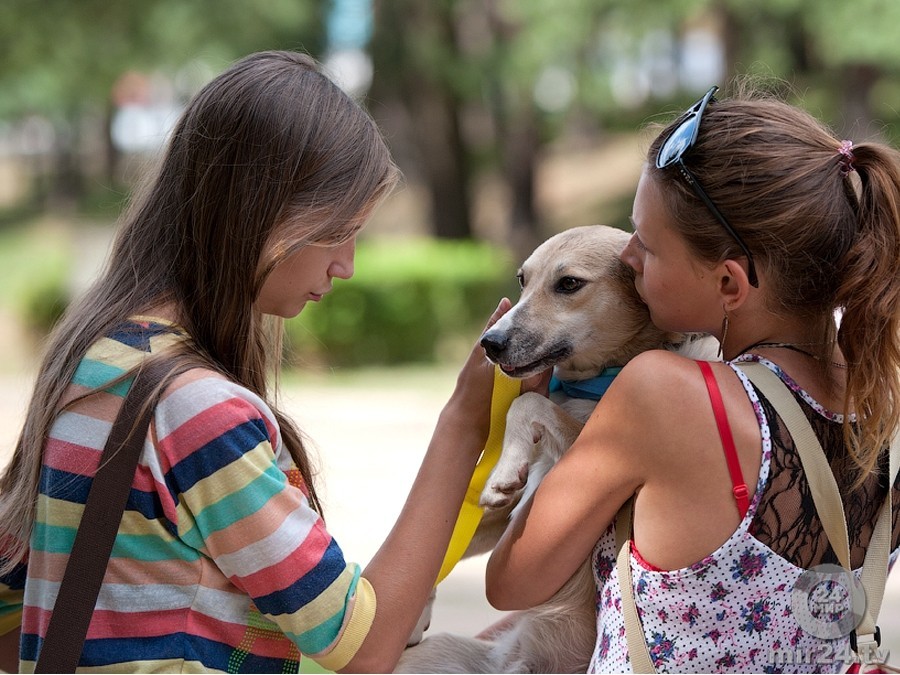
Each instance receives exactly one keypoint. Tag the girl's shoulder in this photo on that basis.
(661, 379)
(655, 393)
(660, 400)
(660, 358)
(204, 400)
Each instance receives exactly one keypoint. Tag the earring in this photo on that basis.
(724, 333)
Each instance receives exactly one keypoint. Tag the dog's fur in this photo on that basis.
(578, 313)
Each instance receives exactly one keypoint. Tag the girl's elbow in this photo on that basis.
(510, 599)
(507, 587)
(502, 594)
(500, 600)
(493, 586)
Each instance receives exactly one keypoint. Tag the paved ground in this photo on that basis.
(370, 433)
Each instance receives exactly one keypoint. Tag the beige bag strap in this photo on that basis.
(829, 505)
(638, 651)
(821, 481)
(867, 635)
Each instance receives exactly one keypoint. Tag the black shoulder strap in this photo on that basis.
(64, 641)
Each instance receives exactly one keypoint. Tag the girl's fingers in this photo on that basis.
(502, 309)
(539, 383)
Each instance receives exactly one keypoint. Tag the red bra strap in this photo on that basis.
(741, 494)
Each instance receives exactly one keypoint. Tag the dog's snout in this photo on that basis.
(494, 343)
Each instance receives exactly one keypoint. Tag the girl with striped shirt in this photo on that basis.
(222, 561)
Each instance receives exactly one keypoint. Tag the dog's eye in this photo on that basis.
(569, 285)
(521, 279)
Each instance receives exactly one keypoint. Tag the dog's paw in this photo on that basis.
(424, 622)
(502, 487)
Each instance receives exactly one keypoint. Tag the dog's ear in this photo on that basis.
(623, 275)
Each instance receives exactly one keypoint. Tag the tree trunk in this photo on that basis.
(435, 120)
(67, 178)
(520, 141)
(856, 89)
(111, 155)
(731, 34)
(416, 48)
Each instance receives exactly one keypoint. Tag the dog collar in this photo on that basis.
(593, 388)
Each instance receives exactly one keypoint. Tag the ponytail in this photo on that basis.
(869, 296)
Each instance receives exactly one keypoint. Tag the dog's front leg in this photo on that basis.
(533, 422)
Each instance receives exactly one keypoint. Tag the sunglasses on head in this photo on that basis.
(672, 151)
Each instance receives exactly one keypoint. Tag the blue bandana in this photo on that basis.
(592, 388)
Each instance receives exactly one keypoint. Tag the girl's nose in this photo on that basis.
(631, 255)
(342, 266)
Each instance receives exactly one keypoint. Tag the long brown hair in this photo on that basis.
(828, 238)
(268, 157)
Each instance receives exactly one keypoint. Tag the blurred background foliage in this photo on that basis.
(414, 301)
(511, 120)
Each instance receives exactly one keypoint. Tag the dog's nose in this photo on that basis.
(494, 343)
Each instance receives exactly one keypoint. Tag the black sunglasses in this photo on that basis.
(672, 151)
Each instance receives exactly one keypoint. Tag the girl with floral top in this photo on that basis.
(754, 223)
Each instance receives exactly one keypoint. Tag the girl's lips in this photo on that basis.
(315, 297)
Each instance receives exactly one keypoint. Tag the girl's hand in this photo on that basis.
(539, 384)
(404, 570)
(470, 403)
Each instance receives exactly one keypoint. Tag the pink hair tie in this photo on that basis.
(847, 160)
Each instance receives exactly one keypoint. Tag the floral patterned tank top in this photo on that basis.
(736, 610)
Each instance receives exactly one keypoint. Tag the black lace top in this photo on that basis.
(786, 519)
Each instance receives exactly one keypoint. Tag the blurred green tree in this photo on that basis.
(486, 84)
(463, 74)
(62, 59)
(466, 88)
(843, 56)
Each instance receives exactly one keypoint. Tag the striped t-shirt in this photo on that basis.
(219, 564)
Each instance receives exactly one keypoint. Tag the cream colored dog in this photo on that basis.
(579, 314)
